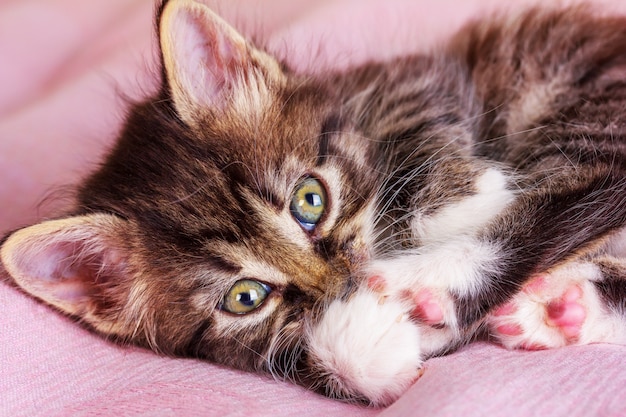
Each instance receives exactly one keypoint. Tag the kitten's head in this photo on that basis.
(235, 206)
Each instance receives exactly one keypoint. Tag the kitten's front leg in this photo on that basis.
(372, 344)
(451, 263)
(472, 275)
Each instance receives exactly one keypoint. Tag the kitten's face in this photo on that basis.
(240, 227)
(234, 208)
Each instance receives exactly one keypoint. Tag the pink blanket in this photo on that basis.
(63, 64)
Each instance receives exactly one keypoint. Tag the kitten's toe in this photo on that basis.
(502, 323)
(428, 308)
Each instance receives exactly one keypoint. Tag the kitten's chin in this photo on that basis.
(365, 349)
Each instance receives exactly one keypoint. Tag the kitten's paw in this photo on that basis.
(559, 308)
(366, 347)
(431, 309)
(545, 314)
(567, 313)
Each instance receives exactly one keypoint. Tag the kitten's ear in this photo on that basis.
(209, 66)
(78, 264)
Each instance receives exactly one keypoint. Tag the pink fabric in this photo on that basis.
(62, 65)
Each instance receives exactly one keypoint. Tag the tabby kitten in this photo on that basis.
(338, 230)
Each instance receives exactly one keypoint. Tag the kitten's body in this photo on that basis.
(449, 182)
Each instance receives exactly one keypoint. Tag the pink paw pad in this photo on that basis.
(567, 313)
(427, 308)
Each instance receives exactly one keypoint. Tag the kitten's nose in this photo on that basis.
(344, 270)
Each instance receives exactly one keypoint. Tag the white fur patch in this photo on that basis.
(458, 266)
(468, 215)
(367, 346)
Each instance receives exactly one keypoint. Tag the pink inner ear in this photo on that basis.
(63, 270)
(75, 264)
(207, 56)
(50, 263)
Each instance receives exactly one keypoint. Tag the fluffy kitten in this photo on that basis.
(338, 230)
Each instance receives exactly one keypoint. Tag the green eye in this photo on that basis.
(246, 295)
(308, 203)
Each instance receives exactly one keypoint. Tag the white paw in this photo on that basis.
(554, 309)
(366, 347)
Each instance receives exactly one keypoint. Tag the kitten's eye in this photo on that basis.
(245, 296)
(308, 203)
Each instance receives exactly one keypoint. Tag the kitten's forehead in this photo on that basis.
(291, 125)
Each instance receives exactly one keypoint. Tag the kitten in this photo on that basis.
(338, 230)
